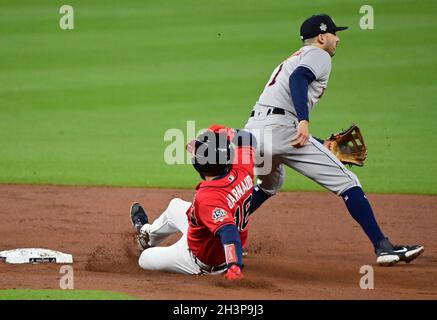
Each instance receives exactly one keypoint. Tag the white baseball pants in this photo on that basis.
(275, 134)
(177, 257)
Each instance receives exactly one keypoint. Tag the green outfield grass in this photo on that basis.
(90, 106)
(30, 294)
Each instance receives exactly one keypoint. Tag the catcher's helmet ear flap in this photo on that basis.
(213, 154)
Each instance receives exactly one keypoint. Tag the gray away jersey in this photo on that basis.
(277, 91)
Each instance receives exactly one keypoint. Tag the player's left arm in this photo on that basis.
(245, 146)
(213, 215)
(231, 241)
(244, 139)
(326, 143)
(239, 137)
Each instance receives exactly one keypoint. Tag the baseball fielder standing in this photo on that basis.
(284, 109)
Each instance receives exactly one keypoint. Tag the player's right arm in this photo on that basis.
(230, 238)
(215, 216)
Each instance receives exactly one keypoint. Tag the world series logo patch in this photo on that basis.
(219, 214)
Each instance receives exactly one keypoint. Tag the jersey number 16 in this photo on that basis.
(242, 214)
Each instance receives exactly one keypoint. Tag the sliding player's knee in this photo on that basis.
(175, 206)
(175, 203)
(143, 261)
(147, 260)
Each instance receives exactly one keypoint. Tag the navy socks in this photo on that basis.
(356, 202)
(360, 209)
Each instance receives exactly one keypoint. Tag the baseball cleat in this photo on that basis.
(139, 219)
(389, 254)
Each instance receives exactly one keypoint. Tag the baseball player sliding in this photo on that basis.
(284, 109)
(214, 226)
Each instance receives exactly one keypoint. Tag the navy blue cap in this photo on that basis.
(318, 24)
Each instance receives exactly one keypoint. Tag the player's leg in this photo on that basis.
(268, 169)
(319, 164)
(175, 258)
(267, 185)
(172, 220)
(387, 254)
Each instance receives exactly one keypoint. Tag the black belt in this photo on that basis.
(221, 267)
(271, 111)
(206, 268)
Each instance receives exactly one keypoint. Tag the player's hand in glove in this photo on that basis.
(327, 144)
(348, 146)
(303, 134)
(234, 273)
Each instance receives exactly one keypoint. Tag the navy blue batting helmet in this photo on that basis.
(213, 154)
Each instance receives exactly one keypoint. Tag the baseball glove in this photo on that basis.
(348, 146)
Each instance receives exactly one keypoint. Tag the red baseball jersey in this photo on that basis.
(220, 202)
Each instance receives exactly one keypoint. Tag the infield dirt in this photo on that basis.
(301, 245)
